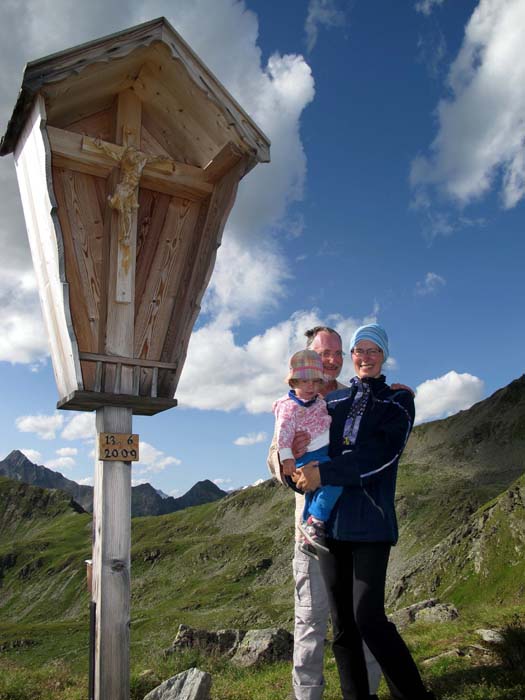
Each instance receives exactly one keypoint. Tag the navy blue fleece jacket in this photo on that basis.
(367, 470)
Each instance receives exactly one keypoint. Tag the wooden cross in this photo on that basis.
(159, 173)
(125, 200)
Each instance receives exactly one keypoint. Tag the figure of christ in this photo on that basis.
(125, 198)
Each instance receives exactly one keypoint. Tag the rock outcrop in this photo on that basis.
(262, 646)
(189, 685)
(221, 642)
(430, 610)
(245, 648)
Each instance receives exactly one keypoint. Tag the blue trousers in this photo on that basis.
(320, 502)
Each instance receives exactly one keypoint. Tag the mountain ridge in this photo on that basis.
(462, 529)
(145, 500)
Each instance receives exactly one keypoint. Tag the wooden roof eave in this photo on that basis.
(60, 66)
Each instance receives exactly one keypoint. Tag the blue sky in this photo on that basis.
(395, 194)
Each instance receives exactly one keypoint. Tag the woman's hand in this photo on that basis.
(300, 443)
(307, 478)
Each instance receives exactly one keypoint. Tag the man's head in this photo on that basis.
(328, 344)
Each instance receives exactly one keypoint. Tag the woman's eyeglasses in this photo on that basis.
(369, 352)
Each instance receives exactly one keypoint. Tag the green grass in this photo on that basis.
(228, 564)
(25, 674)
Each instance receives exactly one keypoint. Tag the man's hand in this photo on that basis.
(288, 466)
(300, 443)
(307, 478)
(397, 387)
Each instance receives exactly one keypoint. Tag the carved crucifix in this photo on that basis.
(125, 201)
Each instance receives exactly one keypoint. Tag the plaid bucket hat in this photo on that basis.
(305, 364)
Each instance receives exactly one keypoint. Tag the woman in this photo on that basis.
(370, 426)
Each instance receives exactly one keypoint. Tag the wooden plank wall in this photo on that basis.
(45, 239)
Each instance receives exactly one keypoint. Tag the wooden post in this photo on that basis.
(111, 563)
(112, 495)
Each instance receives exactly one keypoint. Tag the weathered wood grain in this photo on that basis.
(111, 563)
(140, 405)
(154, 309)
(98, 126)
(223, 162)
(161, 101)
(153, 207)
(33, 170)
(74, 151)
(83, 229)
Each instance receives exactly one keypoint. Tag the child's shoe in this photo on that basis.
(314, 533)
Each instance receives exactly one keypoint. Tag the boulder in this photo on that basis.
(221, 642)
(441, 612)
(430, 610)
(492, 636)
(445, 655)
(259, 646)
(189, 685)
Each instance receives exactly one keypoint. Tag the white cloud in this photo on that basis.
(426, 6)
(60, 463)
(22, 335)
(430, 285)
(67, 451)
(139, 482)
(44, 426)
(255, 483)
(32, 455)
(221, 482)
(174, 493)
(321, 13)
(479, 144)
(153, 460)
(432, 50)
(256, 286)
(80, 427)
(250, 439)
(221, 374)
(446, 395)
(87, 481)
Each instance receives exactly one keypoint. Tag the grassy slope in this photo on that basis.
(228, 564)
(452, 467)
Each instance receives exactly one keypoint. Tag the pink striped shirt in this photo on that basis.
(291, 416)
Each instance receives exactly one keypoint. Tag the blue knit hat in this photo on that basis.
(373, 332)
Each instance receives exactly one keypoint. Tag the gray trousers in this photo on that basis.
(311, 621)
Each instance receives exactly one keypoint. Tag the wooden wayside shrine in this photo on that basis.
(128, 153)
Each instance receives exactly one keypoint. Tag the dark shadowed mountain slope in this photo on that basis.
(18, 467)
(145, 500)
(480, 561)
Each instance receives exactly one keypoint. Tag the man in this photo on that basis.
(311, 601)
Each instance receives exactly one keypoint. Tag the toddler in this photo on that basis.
(303, 409)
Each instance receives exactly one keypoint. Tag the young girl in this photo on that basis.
(303, 409)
